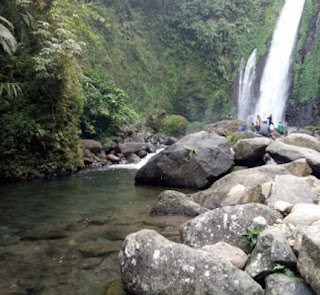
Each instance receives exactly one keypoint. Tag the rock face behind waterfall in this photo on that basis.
(153, 265)
(195, 161)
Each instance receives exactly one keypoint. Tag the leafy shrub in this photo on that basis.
(175, 125)
(155, 119)
(233, 138)
(195, 127)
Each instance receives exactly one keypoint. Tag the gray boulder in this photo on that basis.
(227, 224)
(240, 187)
(283, 153)
(225, 127)
(128, 148)
(250, 151)
(227, 252)
(309, 257)
(272, 248)
(281, 284)
(175, 203)
(133, 159)
(303, 214)
(291, 189)
(299, 168)
(152, 265)
(195, 161)
(92, 145)
(303, 140)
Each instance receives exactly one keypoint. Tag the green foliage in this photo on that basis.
(191, 152)
(195, 127)
(280, 268)
(233, 138)
(252, 235)
(105, 109)
(175, 125)
(155, 119)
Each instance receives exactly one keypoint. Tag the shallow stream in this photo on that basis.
(63, 236)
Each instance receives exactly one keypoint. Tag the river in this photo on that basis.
(63, 236)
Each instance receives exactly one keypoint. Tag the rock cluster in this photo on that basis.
(270, 212)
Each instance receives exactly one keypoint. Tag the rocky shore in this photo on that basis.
(253, 230)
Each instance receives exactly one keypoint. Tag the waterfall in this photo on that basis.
(246, 84)
(276, 75)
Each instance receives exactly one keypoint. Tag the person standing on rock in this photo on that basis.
(258, 123)
(270, 120)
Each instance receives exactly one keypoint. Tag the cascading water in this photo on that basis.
(276, 76)
(246, 85)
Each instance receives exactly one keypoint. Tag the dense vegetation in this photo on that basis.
(72, 67)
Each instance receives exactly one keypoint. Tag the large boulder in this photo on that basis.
(298, 168)
(91, 145)
(272, 248)
(175, 203)
(239, 187)
(128, 148)
(225, 127)
(281, 284)
(250, 151)
(303, 214)
(309, 257)
(195, 161)
(291, 189)
(227, 224)
(283, 153)
(152, 265)
(303, 140)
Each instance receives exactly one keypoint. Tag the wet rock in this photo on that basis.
(175, 203)
(239, 187)
(14, 290)
(133, 159)
(92, 145)
(134, 138)
(132, 147)
(298, 168)
(90, 263)
(283, 153)
(113, 158)
(303, 214)
(291, 189)
(309, 257)
(171, 140)
(303, 140)
(272, 248)
(227, 252)
(43, 235)
(249, 152)
(194, 161)
(281, 284)
(227, 224)
(142, 153)
(99, 248)
(151, 264)
(114, 288)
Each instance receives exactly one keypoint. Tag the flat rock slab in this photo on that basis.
(238, 187)
(291, 189)
(281, 284)
(152, 265)
(227, 224)
(175, 203)
(309, 257)
(195, 161)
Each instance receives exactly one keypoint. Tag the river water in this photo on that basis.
(63, 236)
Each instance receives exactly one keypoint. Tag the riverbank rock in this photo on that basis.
(151, 264)
(309, 257)
(175, 203)
(91, 145)
(271, 248)
(303, 140)
(239, 187)
(303, 214)
(225, 127)
(299, 168)
(249, 152)
(227, 252)
(132, 147)
(281, 284)
(195, 161)
(283, 153)
(291, 189)
(227, 224)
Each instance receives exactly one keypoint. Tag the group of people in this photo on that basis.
(265, 127)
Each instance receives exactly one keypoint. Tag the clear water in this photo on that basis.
(92, 207)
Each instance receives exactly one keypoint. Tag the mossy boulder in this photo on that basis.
(155, 119)
(175, 125)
